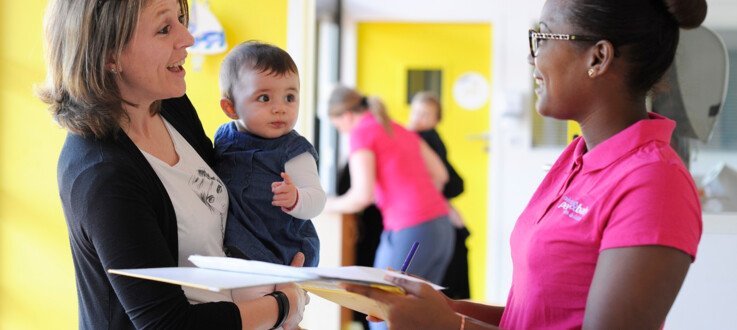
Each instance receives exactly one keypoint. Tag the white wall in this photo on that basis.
(321, 313)
(721, 14)
(708, 298)
(300, 42)
(702, 162)
(516, 169)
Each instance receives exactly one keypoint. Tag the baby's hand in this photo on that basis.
(285, 193)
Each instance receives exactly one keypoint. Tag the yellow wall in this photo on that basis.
(242, 20)
(385, 52)
(37, 289)
(573, 130)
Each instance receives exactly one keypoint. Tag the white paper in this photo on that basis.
(208, 279)
(250, 267)
(363, 274)
(223, 273)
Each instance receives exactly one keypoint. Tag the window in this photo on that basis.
(724, 136)
(721, 149)
(424, 80)
(547, 132)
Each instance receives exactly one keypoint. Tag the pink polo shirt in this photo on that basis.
(631, 190)
(404, 190)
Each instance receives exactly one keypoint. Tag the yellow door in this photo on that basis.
(385, 53)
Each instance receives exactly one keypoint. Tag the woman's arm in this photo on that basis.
(422, 307)
(434, 164)
(634, 287)
(262, 313)
(647, 248)
(484, 313)
(114, 225)
(362, 165)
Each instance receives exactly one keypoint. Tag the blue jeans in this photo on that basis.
(437, 240)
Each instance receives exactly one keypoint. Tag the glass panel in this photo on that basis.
(419, 80)
(724, 136)
(547, 132)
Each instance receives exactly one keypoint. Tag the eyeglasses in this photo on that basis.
(535, 38)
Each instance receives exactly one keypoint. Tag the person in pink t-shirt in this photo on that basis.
(608, 237)
(395, 168)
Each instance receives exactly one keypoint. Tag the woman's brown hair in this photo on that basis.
(345, 99)
(80, 36)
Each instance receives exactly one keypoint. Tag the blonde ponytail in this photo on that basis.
(344, 99)
(378, 110)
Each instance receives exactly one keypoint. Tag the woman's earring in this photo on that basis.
(591, 72)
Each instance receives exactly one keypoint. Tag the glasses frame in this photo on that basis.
(534, 36)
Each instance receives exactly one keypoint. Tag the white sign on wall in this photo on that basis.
(471, 91)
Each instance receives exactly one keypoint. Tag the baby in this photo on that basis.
(269, 169)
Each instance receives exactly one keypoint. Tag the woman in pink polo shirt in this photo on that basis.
(395, 168)
(608, 237)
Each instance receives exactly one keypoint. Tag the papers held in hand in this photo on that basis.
(223, 273)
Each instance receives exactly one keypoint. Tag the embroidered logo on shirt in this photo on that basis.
(572, 208)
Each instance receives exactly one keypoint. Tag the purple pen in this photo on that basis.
(410, 255)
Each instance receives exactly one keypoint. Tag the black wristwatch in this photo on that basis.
(283, 303)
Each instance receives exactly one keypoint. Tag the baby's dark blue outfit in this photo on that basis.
(255, 229)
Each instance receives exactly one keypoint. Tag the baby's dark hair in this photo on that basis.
(644, 32)
(253, 55)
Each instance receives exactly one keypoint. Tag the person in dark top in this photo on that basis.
(134, 175)
(425, 114)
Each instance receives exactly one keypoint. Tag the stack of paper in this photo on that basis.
(222, 273)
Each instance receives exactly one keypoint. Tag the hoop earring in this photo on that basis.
(591, 72)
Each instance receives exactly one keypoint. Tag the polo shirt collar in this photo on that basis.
(656, 128)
